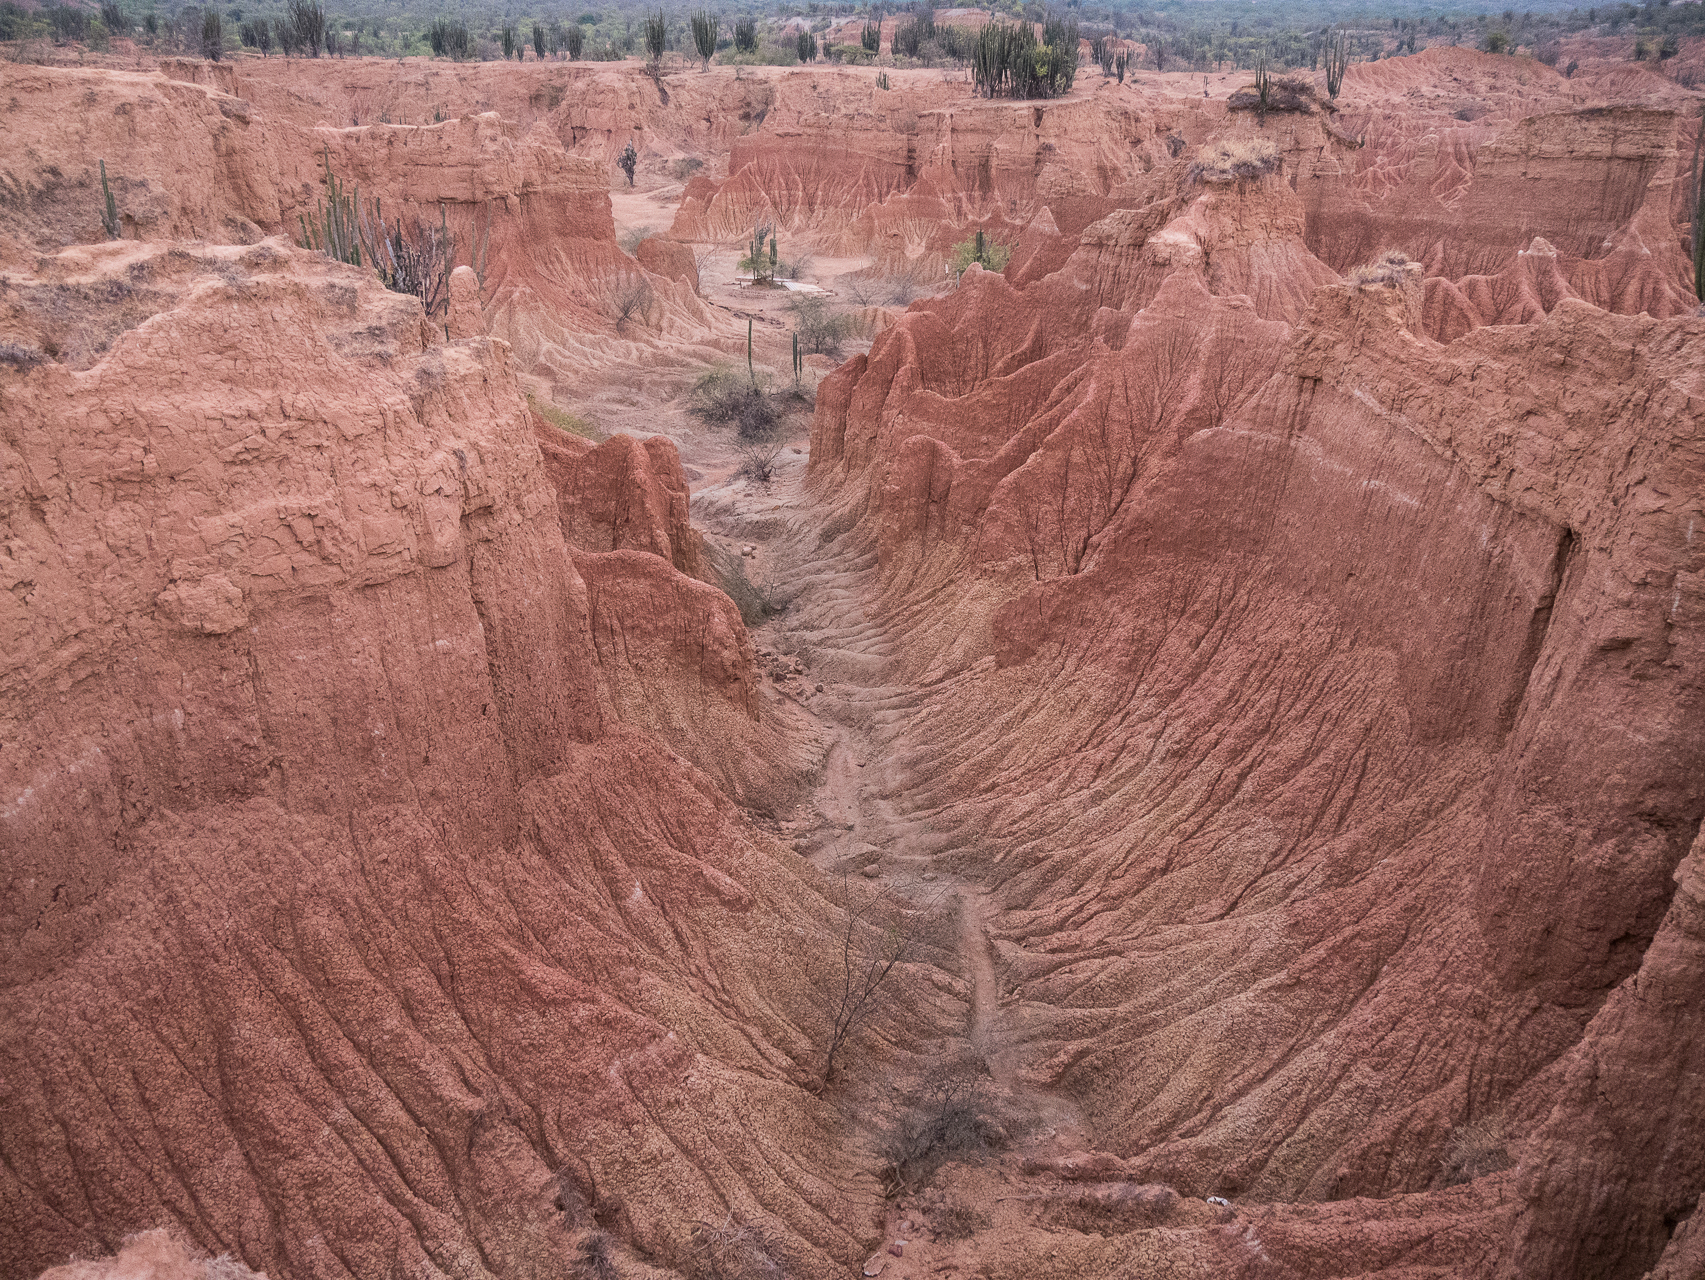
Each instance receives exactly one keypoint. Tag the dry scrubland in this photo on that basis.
(1227, 687)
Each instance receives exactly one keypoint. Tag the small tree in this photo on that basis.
(704, 36)
(1496, 42)
(628, 161)
(212, 35)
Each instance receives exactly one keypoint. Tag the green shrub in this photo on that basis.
(981, 250)
(821, 330)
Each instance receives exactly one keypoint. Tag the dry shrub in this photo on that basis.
(1286, 93)
(758, 460)
(951, 1121)
(596, 1257)
(957, 1220)
(1476, 1149)
(628, 297)
(1229, 161)
(1387, 270)
(724, 397)
(729, 1251)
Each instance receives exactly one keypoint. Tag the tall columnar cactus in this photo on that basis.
(109, 213)
(1337, 55)
(750, 371)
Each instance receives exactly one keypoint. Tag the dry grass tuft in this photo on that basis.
(1388, 271)
(1231, 161)
(562, 420)
(1476, 1149)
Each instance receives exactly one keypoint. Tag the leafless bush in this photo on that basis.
(685, 167)
(758, 460)
(821, 331)
(881, 291)
(950, 1121)
(630, 240)
(1388, 270)
(729, 1251)
(1227, 161)
(957, 1220)
(629, 297)
(1476, 1149)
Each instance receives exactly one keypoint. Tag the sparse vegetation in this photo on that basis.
(1476, 1149)
(950, 1121)
(656, 37)
(760, 263)
(1336, 54)
(703, 25)
(629, 299)
(450, 40)
(306, 20)
(1007, 61)
(596, 1257)
(980, 250)
(881, 291)
(109, 208)
(632, 238)
(819, 329)
(1388, 270)
(1232, 161)
(731, 1251)
(723, 398)
(956, 1220)
(413, 259)
(562, 420)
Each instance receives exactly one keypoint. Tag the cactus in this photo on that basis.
(1337, 54)
(109, 214)
(751, 372)
(798, 362)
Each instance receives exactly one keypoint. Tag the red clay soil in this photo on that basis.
(1266, 700)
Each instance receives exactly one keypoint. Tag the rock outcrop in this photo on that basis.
(1321, 705)
(348, 926)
